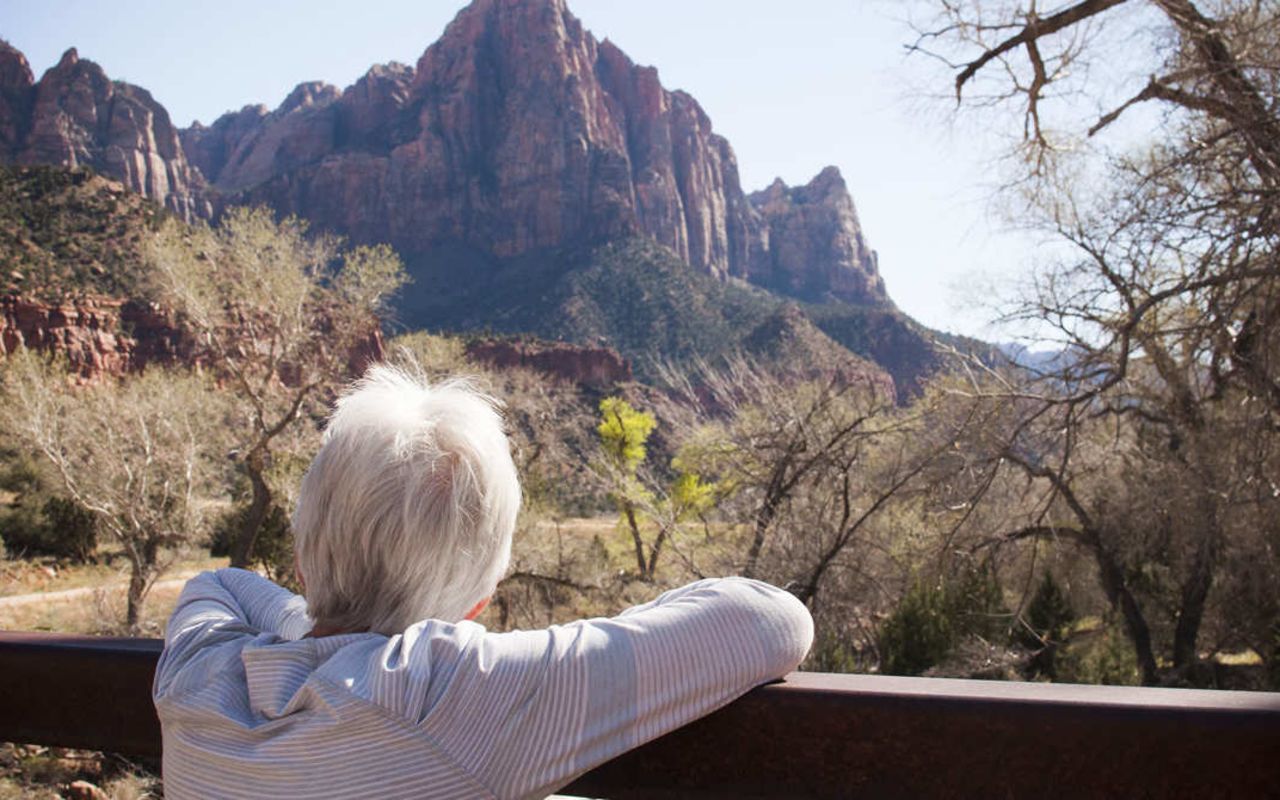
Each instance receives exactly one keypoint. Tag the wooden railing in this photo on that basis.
(813, 735)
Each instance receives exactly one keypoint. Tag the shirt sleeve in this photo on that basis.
(223, 605)
(526, 712)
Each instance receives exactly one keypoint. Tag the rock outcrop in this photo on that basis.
(17, 93)
(109, 336)
(76, 116)
(594, 367)
(816, 247)
(91, 333)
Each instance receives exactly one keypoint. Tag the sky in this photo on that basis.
(794, 86)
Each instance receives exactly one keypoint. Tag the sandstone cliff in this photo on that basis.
(595, 367)
(96, 335)
(76, 116)
(518, 131)
(816, 247)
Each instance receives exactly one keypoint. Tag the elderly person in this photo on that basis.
(379, 684)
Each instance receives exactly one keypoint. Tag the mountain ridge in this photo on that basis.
(515, 139)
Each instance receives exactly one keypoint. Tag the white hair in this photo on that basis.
(407, 511)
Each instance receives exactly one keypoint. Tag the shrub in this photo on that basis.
(57, 527)
(919, 633)
(933, 618)
(1105, 657)
(1045, 627)
(70, 530)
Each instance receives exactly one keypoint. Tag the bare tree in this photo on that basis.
(1145, 442)
(281, 316)
(141, 454)
(769, 438)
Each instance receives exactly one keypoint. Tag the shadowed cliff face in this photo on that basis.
(76, 116)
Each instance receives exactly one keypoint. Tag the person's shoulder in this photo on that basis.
(405, 672)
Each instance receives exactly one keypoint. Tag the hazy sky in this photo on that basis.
(793, 85)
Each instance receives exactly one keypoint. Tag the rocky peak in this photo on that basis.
(15, 72)
(17, 92)
(207, 148)
(312, 94)
(371, 110)
(827, 186)
(76, 116)
(816, 247)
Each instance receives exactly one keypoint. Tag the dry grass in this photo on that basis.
(32, 772)
(100, 612)
(100, 608)
(27, 576)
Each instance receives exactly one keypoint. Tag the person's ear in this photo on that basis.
(479, 607)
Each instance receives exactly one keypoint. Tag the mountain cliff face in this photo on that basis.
(17, 93)
(816, 247)
(504, 166)
(76, 116)
(518, 131)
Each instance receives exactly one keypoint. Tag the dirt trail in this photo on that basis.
(64, 595)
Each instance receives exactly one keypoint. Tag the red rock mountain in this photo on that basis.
(816, 245)
(77, 116)
(516, 131)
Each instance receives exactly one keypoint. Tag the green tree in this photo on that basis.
(282, 316)
(624, 433)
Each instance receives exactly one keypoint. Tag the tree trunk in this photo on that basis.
(242, 548)
(654, 552)
(141, 565)
(629, 511)
(763, 519)
(1194, 594)
(137, 592)
(1117, 591)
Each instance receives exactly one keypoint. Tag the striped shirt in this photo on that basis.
(251, 709)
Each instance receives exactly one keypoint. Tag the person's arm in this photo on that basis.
(219, 606)
(526, 712)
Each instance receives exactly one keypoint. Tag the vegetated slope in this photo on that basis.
(67, 233)
(637, 296)
(634, 295)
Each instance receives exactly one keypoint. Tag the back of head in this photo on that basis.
(408, 509)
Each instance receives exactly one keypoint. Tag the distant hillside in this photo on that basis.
(641, 299)
(66, 233)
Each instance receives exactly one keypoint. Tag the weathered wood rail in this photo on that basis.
(812, 736)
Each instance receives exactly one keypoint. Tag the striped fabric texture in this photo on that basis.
(251, 709)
